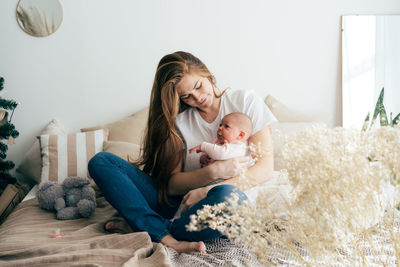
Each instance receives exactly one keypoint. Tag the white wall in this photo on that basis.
(99, 65)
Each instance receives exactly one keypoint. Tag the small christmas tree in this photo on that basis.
(7, 132)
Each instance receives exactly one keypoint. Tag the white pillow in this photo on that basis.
(289, 121)
(284, 114)
(66, 155)
(276, 192)
(282, 129)
(31, 164)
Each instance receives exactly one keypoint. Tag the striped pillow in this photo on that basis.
(68, 155)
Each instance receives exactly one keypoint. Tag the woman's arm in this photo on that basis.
(262, 170)
(182, 182)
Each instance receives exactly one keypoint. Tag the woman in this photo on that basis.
(185, 109)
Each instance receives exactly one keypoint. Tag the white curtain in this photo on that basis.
(387, 63)
(358, 48)
(371, 60)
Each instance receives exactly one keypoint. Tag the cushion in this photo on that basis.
(284, 114)
(127, 151)
(290, 121)
(68, 155)
(275, 193)
(129, 129)
(30, 165)
(280, 130)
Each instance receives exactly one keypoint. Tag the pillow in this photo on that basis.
(129, 129)
(276, 193)
(282, 129)
(30, 165)
(285, 114)
(68, 155)
(127, 151)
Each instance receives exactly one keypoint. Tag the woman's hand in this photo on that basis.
(226, 169)
(194, 196)
(205, 159)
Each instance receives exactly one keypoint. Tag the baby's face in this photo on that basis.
(228, 130)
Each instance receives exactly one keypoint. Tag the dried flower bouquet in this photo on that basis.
(343, 190)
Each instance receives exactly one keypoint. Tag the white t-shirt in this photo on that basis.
(195, 129)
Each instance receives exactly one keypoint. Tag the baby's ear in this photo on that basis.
(242, 135)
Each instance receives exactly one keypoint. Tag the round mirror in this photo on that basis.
(39, 18)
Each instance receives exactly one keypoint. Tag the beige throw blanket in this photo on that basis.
(26, 240)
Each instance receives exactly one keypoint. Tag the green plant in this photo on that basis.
(381, 111)
(7, 132)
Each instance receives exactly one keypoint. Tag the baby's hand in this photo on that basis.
(196, 149)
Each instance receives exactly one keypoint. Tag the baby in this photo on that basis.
(232, 135)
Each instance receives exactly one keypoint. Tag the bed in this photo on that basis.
(26, 237)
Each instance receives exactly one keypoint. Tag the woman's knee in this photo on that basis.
(223, 192)
(99, 158)
(98, 161)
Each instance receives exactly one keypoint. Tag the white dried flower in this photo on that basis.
(339, 178)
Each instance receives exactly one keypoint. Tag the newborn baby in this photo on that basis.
(232, 135)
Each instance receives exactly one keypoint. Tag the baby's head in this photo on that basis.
(234, 127)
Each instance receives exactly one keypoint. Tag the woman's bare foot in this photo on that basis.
(117, 226)
(183, 246)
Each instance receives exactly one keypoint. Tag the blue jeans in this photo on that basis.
(133, 194)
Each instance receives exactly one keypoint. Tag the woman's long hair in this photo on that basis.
(163, 146)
